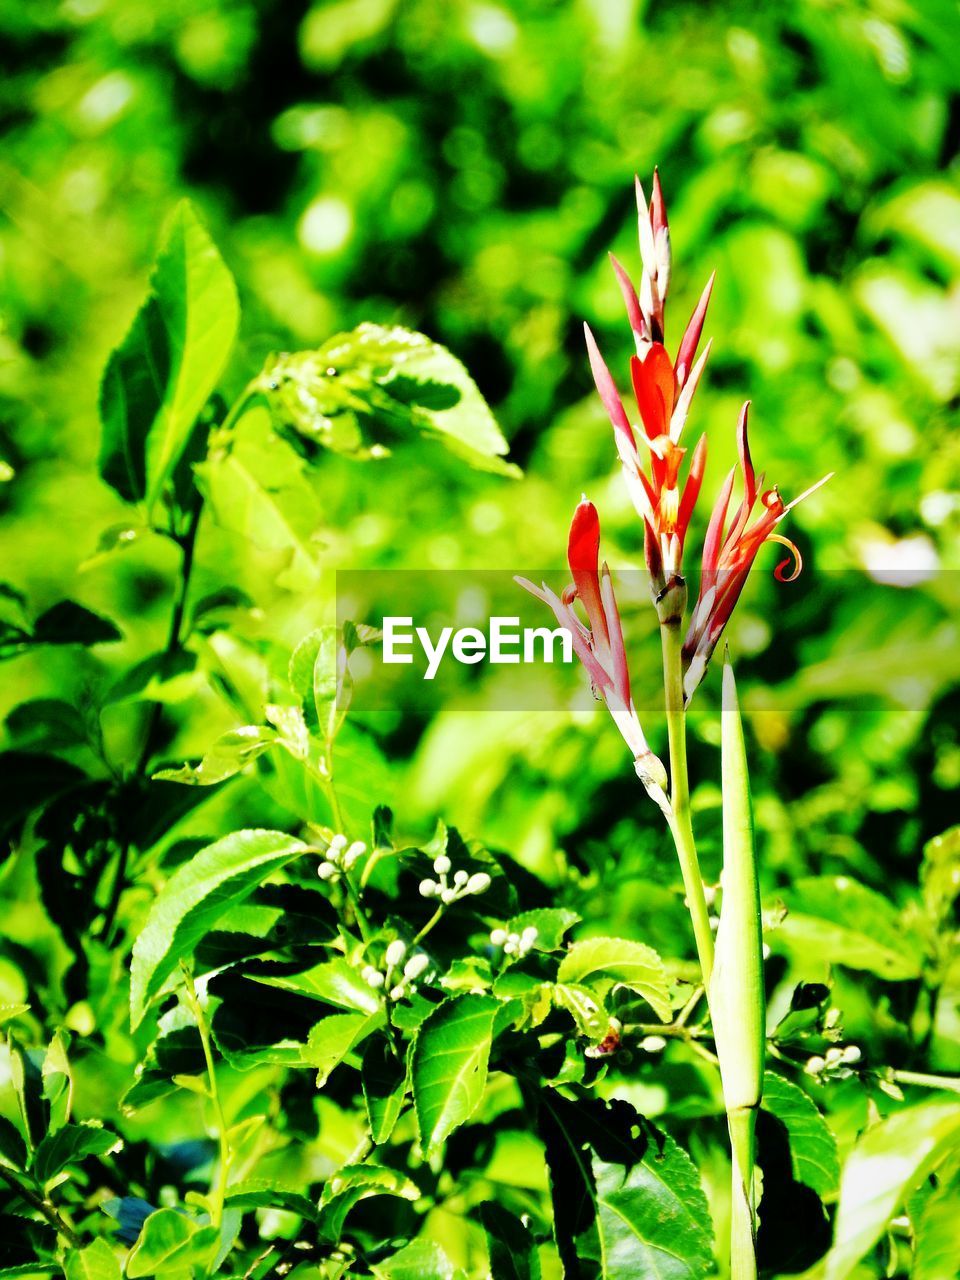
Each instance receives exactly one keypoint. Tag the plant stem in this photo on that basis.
(679, 820)
(434, 920)
(218, 1191)
(43, 1206)
(926, 1081)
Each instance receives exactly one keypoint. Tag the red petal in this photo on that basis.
(583, 553)
(691, 337)
(691, 490)
(714, 535)
(631, 301)
(658, 210)
(626, 445)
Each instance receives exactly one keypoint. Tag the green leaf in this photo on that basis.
(57, 1082)
(353, 1183)
(384, 1081)
(13, 1149)
(194, 898)
(449, 1065)
(334, 981)
(551, 923)
(419, 1260)
(171, 1241)
(625, 1196)
(96, 1262)
(68, 1145)
(332, 1039)
(10, 1011)
(365, 390)
(607, 962)
(231, 753)
(320, 677)
(940, 874)
(46, 724)
(585, 1007)
(935, 1231)
(262, 1193)
(159, 378)
(813, 1148)
(71, 623)
(846, 923)
(513, 1250)
(885, 1165)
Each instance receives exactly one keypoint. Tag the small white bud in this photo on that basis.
(397, 992)
(415, 966)
(498, 937)
(833, 1056)
(373, 977)
(766, 951)
(479, 882)
(852, 1053)
(510, 947)
(327, 871)
(337, 843)
(441, 865)
(529, 935)
(448, 896)
(814, 1065)
(395, 953)
(714, 922)
(355, 852)
(428, 888)
(653, 1044)
(460, 878)
(514, 938)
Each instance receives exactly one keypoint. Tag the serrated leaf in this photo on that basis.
(887, 1162)
(365, 390)
(353, 1183)
(95, 1262)
(45, 724)
(625, 1196)
(935, 1231)
(512, 1249)
(813, 1148)
(159, 378)
(585, 1007)
(57, 1082)
(607, 962)
(449, 1065)
(848, 924)
(70, 623)
(171, 1241)
(332, 1039)
(384, 1080)
(13, 1149)
(68, 1145)
(194, 898)
(231, 753)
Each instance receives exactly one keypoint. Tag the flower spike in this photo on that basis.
(599, 646)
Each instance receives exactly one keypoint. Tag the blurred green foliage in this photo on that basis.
(463, 169)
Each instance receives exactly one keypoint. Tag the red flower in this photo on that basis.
(599, 646)
(663, 391)
(729, 553)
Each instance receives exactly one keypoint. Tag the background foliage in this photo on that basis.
(462, 170)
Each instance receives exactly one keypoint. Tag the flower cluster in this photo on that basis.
(341, 856)
(663, 389)
(398, 981)
(515, 944)
(462, 885)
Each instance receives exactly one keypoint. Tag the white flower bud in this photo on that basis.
(351, 855)
(395, 953)
(397, 992)
(448, 896)
(337, 843)
(529, 935)
(653, 1044)
(510, 947)
(429, 888)
(814, 1065)
(460, 878)
(327, 871)
(479, 882)
(415, 966)
(498, 937)
(514, 938)
(833, 1056)
(441, 865)
(852, 1053)
(372, 977)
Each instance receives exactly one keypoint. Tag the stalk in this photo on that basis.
(218, 1191)
(736, 990)
(678, 818)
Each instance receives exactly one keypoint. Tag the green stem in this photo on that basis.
(43, 1206)
(741, 1123)
(362, 923)
(434, 920)
(926, 1081)
(218, 1190)
(679, 820)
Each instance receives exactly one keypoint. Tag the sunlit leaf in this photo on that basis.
(171, 1241)
(813, 1148)
(449, 1065)
(607, 962)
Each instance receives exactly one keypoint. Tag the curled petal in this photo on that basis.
(583, 554)
(746, 462)
(679, 418)
(714, 536)
(794, 558)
